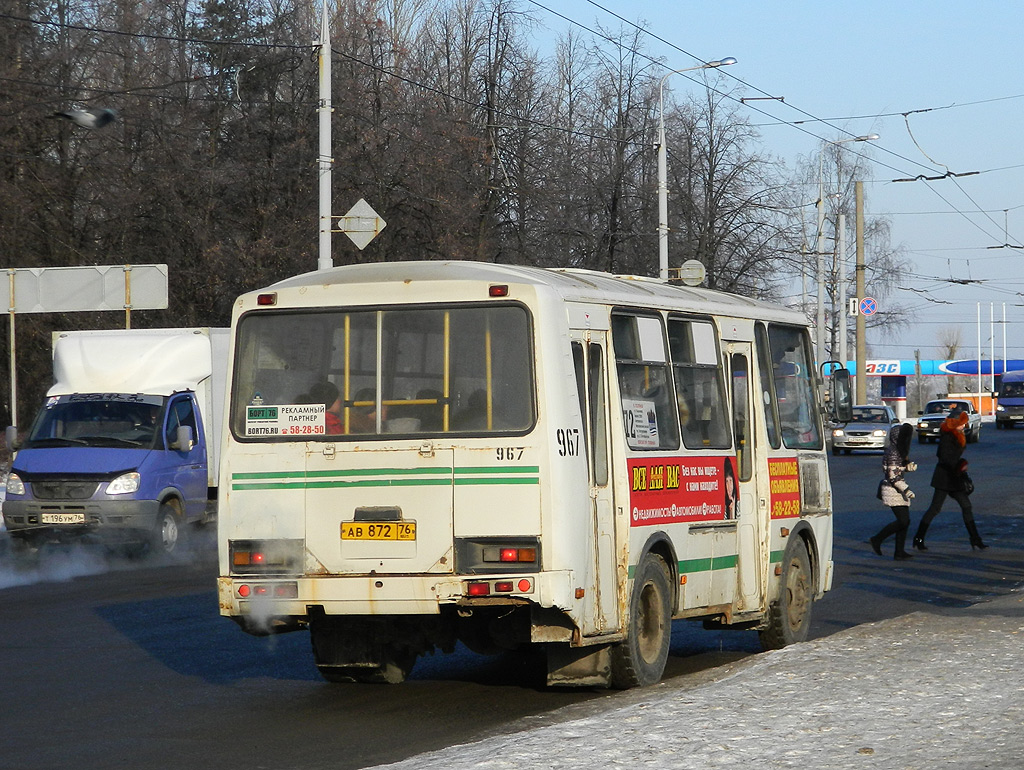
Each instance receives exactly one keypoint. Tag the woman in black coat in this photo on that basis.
(948, 480)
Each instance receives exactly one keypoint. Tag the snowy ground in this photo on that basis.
(919, 691)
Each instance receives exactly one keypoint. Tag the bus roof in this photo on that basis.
(573, 285)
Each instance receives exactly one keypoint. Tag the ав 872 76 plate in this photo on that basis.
(378, 530)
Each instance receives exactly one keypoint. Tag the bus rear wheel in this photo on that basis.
(639, 660)
(789, 617)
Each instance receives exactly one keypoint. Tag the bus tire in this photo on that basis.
(639, 660)
(789, 617)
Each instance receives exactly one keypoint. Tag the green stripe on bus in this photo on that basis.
(690, 566)
(493, 470)
(445, 482)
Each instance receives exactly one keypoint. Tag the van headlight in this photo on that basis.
(15, 486)
(1000, 408)
(124, 484)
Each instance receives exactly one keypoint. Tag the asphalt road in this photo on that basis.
(120, 664)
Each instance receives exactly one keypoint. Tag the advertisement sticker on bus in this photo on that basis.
(669, 490)
(286, 420)
(784, 478)
(641, 423)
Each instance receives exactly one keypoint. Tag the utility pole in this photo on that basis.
(861, 386)
(325, 260)
(841, 317)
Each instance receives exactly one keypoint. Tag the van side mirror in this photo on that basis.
(183, 440)
(11, 438)
(840, 396)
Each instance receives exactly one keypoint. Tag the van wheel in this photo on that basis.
(168, 534)
(789, 617)
(639, 660)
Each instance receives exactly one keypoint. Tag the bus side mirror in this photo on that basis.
(840, 397)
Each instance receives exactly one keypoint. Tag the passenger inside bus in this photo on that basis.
(362, 412)
(326, 393)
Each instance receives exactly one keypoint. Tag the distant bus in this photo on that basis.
(420, 454)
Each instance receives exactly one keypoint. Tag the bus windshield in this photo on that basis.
(408, 371)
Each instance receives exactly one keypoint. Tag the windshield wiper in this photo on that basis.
(55, 441)
(101, 440)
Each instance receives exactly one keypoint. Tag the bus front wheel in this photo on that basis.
(789, 617)
(639, 660)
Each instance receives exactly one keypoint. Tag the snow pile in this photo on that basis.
(918, 691)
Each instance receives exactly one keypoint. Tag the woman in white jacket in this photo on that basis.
(895, 491)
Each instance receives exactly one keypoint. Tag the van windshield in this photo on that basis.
(408, 371)
(97, 419)
(1012, 390)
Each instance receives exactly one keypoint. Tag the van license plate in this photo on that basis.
(378, 530)
(63, 518)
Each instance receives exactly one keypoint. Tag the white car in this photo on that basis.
(868, 429)
(936, 411)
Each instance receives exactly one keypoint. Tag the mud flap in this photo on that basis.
(578, 666)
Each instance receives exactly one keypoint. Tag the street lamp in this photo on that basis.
(663, 163)
(820, 320)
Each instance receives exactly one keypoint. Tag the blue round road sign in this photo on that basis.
(868, 306)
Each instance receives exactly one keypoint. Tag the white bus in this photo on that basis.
(422, 453)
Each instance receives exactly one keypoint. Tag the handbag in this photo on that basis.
(967, 482)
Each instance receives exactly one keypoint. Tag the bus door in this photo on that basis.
(752, 513)
(589, 351)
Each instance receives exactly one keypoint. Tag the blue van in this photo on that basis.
(124, 449)
(1010, 400)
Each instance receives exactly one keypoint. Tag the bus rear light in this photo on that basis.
(266, 299)
(500, 555)
(503, 587)
(510, 555)
(253, 557)
(525, 586)
(478, 589)
(289, 590)
(499, 290)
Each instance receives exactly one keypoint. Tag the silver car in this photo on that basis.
(868, 429)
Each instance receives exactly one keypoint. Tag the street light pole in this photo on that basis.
(663, 164)
(820, 319)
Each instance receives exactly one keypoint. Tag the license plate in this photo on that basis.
(378, 530)
(63, 518)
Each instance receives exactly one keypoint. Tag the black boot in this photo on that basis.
(876, 544)
(972, 532)
(919, 544)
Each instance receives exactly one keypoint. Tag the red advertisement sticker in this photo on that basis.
(664, 490)
(784, 477)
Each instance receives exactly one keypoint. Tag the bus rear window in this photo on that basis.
(407, 371)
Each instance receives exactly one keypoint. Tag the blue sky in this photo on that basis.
(860, 66)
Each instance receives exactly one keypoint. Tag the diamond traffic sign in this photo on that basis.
(361, 224)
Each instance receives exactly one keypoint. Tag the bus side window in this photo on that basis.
(793, 376)
(703, 410)
(645, 388)
(768, 400)
(741, 416)
(598, 415)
